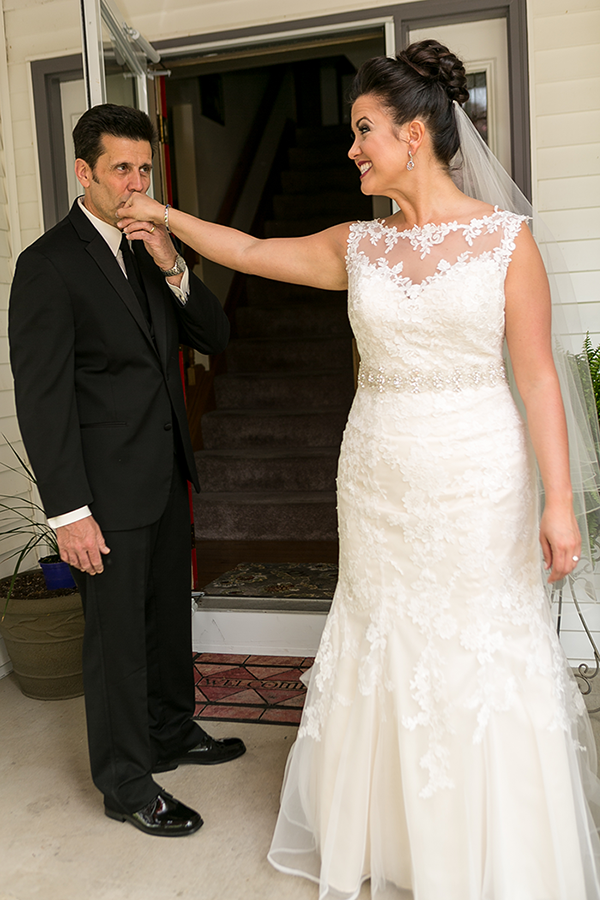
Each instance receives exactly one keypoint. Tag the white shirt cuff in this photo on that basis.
(68, 518)
(183, 291)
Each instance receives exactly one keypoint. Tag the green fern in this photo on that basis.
(587, 364)
(586, 368)
(593, 357)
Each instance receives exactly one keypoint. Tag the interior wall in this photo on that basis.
(199, 141)
(242, 93)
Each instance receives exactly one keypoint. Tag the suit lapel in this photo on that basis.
(102, 255)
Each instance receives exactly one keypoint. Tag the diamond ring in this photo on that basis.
(575, 559)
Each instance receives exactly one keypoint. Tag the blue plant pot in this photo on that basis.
(57, 575)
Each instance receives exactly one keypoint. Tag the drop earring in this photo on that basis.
(411, 163)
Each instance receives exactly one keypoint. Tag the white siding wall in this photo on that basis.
(26, 29)
(6, 401)
(565, 106)
(167, 18)
(10, 244)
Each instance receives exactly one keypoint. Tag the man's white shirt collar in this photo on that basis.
(111, 234)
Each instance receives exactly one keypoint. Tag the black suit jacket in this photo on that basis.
(99, 401)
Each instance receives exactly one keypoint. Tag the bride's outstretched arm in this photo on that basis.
(528, 334)
(317, 260)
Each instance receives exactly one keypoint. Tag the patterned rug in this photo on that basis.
(237, 688)
(315, 581)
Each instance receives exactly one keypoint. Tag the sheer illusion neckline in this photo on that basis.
(423, 237)
(441, 226)
(487, 237)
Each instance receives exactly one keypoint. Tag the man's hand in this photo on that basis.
(158, 244)
(81, 544)
(142, 219)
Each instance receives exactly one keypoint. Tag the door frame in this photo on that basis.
(397, 20)
(46, 78)
(133, 48)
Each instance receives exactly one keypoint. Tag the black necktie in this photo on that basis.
(134, 278)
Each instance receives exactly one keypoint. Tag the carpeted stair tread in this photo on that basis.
(264, 515)
(315, 158)
(267, 453)
(268, 413)
(302, 227)
(265, 498)
(261, 354)
(268, 469)
(326, 134)
(304, 318)
(307, 181)
(272, 445)
(301, 206)
(325, 387)
(265, 292)
(238, 428)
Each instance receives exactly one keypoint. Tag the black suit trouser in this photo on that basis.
(137, 654)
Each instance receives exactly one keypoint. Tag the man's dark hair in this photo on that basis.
(108, 118)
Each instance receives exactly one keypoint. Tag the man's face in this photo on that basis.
(122, 169)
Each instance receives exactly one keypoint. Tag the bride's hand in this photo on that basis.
(141, 208)
(560, 540)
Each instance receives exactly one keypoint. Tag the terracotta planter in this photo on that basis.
(44, 638)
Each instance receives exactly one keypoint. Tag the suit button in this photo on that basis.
(168, 426)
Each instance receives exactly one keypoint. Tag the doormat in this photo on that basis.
(314, 581)
(239, 688)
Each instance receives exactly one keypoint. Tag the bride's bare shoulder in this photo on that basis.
(476, 209)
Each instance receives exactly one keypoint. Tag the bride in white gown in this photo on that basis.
(444, 750)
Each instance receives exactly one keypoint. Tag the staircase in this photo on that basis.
(271, 446)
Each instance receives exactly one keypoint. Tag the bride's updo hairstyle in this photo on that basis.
(420, 83)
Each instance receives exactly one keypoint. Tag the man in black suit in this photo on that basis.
(95, 325)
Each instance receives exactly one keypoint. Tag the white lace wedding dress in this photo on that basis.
(444, 750)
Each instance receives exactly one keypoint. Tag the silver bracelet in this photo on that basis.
(167, 208)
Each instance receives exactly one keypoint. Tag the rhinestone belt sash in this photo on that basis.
(416, 381)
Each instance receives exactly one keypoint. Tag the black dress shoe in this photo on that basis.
(164, 816)
(209, 752)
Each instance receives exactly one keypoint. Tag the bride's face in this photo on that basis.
(380, 148)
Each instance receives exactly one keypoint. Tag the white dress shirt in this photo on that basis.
(112, 235)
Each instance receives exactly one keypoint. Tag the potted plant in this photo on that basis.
(20, 517)
(42, 616)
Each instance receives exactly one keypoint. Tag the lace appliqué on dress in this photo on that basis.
(436, 500)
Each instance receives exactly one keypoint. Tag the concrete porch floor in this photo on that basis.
(57, 844)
